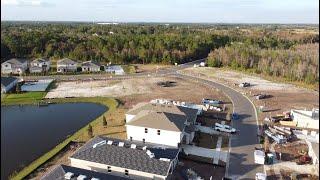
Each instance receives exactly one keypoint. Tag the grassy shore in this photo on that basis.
(81, 134)
(22, 98)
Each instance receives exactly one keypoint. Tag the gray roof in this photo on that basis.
(126, 157)
(91, 63)
(66, 61)
(40, 60)
(5, 81)
(59, 171)
(16, 61)
(190, 113)
(159, 120)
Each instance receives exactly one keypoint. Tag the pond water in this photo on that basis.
(28, 131)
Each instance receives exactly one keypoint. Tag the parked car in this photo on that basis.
(211, 101)
(261, 96)
(224, 128)
(245, 84)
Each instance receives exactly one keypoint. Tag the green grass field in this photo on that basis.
(22, 98)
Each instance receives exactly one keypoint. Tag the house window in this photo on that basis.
(145, 130)
(126, 172)
(109, 169)
(158, 132)
(143, 140)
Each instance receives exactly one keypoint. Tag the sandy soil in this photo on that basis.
(140, 68)
(283, 96)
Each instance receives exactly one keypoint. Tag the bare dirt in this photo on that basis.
(283, 97)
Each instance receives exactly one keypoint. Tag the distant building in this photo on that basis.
(40, 65)
(116, 69)
(7, 83)
(90, 66)
(66, 65)
(306, 119)
(131, 159)
(169, 124)
(68, 172)
(14, 66)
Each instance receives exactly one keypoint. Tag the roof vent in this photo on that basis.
(121, 144)
(150, 154)
(68, 175)
(144, 148)
(133, 146)
(164, 159)
(109, 142)
(99, 144)
(81, 177)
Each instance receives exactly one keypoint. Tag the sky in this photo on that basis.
(193, 11)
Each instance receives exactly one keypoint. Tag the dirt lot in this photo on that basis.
(283, 96)
(203, 170)
(133, 91)
(140, 68)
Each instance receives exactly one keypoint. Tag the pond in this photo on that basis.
(28, 131)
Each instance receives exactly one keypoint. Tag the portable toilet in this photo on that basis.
(270, 158)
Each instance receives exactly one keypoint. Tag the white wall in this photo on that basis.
(6, 68)
(305, 122)
(67, 67)
(129, 117)
(170, 138)
(87, 165)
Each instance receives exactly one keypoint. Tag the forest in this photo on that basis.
(287, 51)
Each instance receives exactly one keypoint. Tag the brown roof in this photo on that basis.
(190, 113)
(159, 120)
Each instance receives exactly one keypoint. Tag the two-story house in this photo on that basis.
(14, 66)
(40, 65)
(169, 124)
(66, 65)
(131, 159)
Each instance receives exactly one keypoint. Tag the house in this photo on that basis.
(14, 66)
(131, 159)
(7, 83)
(305, 119)
(116, 69)
(90, 66)
(69, 172)
(152, 122)
(40, 65)
(66, 65)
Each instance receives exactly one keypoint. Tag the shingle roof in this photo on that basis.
(66, 61)
(5, 81)
(59, 171)
(159, 120)
(91, 63)
(16, 61)
(190, 113)
(126, 157)
(40, 60)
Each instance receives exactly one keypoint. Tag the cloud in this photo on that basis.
(35, 3)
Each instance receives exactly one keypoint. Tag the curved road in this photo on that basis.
(241, 159)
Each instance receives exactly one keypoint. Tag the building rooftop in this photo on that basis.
(5, 81)
(159, 120)
(91, 63)
(189, 112)
(60, 171)
(40, 60)
(314, 114)
(16, 61)
(66, 61)
(110, 153)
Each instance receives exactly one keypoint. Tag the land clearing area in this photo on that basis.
(283, 96)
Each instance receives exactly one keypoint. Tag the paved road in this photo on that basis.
(241, 161)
